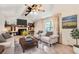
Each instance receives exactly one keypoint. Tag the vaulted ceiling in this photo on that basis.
(11, 12)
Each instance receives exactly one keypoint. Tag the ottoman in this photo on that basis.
(25, 45)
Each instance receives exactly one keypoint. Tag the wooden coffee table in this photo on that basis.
(2, 48)
(25, 45)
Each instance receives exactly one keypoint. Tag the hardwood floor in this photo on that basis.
(56, 49)
(63, 49)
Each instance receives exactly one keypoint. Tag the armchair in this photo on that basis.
(49, 38)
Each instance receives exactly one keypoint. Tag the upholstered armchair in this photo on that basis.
(49, 38)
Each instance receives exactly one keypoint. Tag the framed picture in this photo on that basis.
(69, 21)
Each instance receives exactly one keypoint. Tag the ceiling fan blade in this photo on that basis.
(27, 13)
(33, 8)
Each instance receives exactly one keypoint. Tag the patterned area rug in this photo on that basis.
(42, 49)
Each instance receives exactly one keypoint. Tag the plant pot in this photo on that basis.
(76, 49)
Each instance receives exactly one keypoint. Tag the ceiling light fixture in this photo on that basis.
(34, 8)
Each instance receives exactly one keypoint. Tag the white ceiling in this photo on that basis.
(11, 12)
(33, 17)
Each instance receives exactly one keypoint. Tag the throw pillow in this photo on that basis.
(6, 35)
(2, 39)
(49, 33)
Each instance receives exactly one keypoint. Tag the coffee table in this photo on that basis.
(25, 45)
(2, 48)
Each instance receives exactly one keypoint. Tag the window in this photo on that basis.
(48, 25)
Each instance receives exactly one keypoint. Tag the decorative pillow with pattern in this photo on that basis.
(6, 35)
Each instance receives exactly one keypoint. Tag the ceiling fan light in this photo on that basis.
(34, 8)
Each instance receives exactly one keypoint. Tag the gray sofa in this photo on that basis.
(8, 42)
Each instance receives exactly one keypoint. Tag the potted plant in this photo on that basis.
(75, 35)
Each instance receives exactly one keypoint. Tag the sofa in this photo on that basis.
(8, 44)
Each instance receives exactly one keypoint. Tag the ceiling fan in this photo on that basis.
(33, 8)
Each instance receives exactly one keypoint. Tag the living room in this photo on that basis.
(37, 28)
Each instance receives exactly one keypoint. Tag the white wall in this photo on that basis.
(40, 25)
(67, 10)
(1, 24)
(9, 12)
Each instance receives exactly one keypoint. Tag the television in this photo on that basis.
(21, 22)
